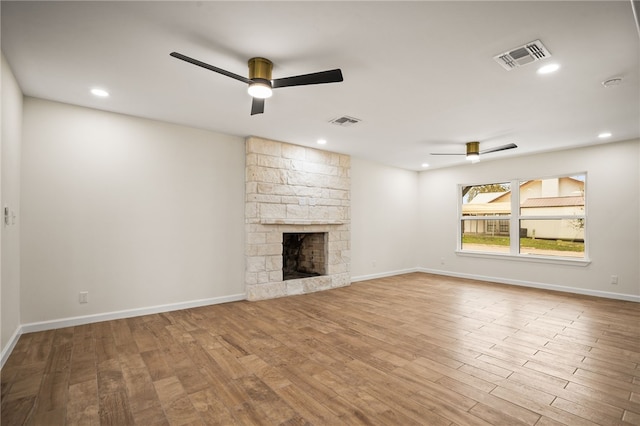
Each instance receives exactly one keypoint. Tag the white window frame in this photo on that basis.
(514, 226)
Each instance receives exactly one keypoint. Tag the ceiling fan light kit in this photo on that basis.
(260, 89)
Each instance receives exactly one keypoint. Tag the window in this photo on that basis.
(539, 217)
(485, 217)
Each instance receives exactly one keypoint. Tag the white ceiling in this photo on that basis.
(420, 75)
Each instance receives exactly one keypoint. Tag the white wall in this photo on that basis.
(384, 219)
(11, 124)
(613, 228)
(139, 213)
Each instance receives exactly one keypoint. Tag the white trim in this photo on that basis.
(6, 351)
(544, 286)
(129, 313)
(384, 274)
(514, 221)
(558, 260)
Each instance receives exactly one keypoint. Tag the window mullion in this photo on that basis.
(514, 222)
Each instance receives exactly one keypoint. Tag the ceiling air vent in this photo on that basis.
(345, 121)
(522, 55)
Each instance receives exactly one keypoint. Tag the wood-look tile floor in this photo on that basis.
(416, 349)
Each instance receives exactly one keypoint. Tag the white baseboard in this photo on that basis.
(544, 286)
(6, 351)
(129, 313)
(383, 274)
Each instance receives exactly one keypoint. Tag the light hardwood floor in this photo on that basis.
(407, 350)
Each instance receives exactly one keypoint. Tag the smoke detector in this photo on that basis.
(522, 55)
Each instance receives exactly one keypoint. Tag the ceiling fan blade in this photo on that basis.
(257, 106)
(331, 76)
(445, 153)
(210, 67)
(499, 148)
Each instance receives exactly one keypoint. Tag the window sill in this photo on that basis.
(526, 258)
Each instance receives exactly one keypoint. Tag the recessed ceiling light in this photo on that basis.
(425, 165)
(101, 93)
(322, 141)
(604, 135)
(547, 69)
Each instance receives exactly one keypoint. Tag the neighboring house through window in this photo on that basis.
(537, 217)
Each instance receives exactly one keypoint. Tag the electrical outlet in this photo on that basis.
(442, 260)
(614, 280)
(373, 263)
(84, 297)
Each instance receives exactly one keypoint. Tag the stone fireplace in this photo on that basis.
(299, 196)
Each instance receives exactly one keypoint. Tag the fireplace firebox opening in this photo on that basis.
(304, 255)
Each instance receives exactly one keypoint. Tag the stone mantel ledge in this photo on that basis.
(301, 222)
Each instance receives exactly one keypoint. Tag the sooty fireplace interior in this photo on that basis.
(304, 255)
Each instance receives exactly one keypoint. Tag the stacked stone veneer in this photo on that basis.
(291, 188)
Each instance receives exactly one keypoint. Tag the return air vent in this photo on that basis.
(522, 55)
(345, 121)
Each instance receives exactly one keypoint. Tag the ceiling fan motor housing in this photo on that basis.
(473, 148)
(260, 70)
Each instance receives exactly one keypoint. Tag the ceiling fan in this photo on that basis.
(473, 150)
(260, 81)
